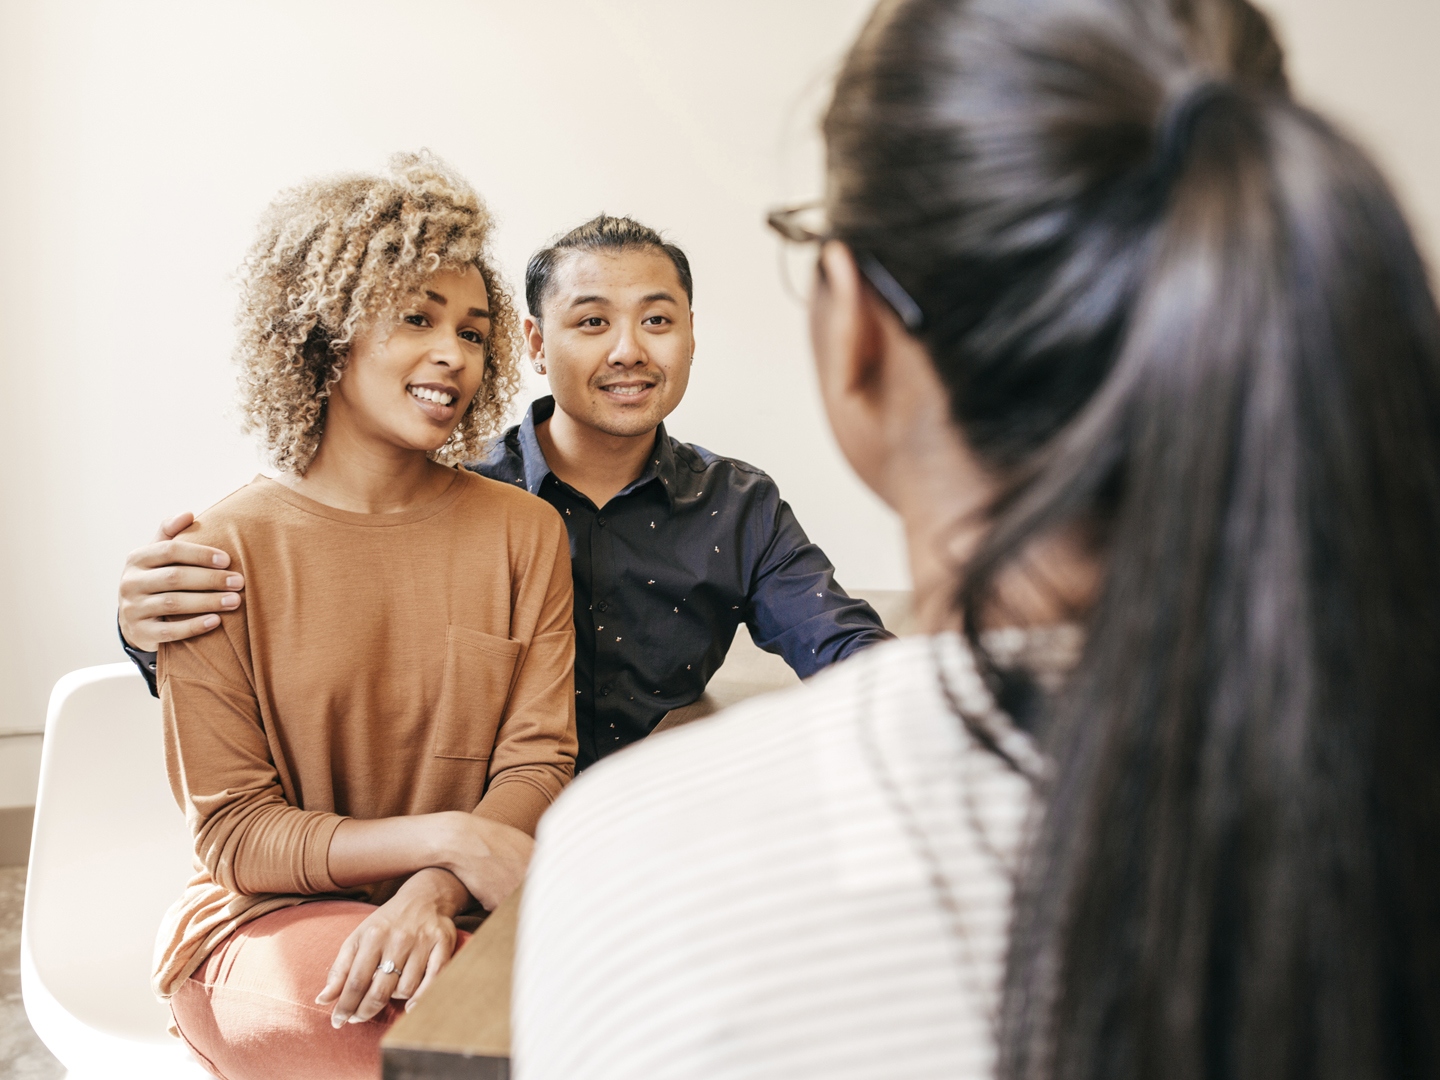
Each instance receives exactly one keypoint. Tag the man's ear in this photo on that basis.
(692, 335)
(534, 343)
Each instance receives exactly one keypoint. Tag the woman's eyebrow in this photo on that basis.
(475, 312)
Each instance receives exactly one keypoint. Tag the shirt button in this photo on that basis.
(600, 521)
(603, 606)
(604, 691)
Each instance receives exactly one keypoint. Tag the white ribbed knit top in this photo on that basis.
(755, 895)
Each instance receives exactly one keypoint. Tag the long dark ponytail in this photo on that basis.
(1175, 307)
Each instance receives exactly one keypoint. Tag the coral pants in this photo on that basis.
(249, 1011)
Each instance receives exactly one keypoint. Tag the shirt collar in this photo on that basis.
(661, 465)
(531, 456)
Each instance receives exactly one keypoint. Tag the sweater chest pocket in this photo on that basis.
(479, 673)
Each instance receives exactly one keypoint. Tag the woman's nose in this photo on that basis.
(446, 352)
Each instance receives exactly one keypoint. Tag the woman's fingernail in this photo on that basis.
(338, 1021)
(234, 581)
(230, 600)
(210, 622)
(355, 1020)
(220, 559)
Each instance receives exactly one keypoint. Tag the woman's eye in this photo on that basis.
(415, 319)
(473, 336)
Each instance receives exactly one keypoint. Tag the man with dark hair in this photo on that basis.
(671, 546)
(601, 234)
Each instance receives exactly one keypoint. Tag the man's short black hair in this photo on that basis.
(603, 233)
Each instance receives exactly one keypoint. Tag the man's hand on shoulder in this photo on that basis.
(171, 589)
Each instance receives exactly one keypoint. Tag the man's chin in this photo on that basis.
(627, 423)
(628, 431)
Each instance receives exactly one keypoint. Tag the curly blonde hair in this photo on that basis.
(339, 252)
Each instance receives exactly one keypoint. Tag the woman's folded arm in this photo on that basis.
(488, 857)
(247, 835)
(253, 841)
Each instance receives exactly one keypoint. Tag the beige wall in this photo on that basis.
(1372, 66)
(142, 139)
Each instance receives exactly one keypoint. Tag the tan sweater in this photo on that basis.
(380, 665)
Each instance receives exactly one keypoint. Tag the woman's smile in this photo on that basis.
(435, 351)
(435, 400)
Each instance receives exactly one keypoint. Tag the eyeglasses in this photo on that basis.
(806, 224)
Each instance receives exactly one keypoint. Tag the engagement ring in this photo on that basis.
(387, 968)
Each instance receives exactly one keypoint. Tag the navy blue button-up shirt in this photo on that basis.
(666, 571)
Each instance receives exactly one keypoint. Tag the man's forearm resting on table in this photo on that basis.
(798, 609)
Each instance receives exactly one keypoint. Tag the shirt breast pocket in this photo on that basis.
(479, 673)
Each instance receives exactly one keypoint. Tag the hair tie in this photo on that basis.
(1178, 124)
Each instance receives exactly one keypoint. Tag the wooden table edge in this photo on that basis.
(465, 1013)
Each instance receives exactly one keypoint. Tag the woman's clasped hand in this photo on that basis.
(398, 950)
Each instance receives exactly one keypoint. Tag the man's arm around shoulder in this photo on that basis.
(172, 590)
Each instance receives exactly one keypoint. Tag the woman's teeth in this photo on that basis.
(432, 395)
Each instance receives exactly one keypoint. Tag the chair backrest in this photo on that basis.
(109, 854)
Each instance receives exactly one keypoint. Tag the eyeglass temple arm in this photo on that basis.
(894, 294)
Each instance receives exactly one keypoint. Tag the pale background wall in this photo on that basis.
(142, 140)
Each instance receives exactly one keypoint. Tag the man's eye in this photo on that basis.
(656, 320)
(593, 320)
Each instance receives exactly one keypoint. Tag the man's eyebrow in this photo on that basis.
(596, 298)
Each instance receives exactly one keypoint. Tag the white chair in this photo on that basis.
(109, 854)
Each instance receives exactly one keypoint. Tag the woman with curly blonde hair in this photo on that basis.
(364, 749)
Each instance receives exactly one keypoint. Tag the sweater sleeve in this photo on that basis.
(535, 744)
(223, 774)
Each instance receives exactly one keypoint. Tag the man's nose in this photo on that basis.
(627, 350)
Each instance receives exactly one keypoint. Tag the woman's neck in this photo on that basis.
(944, 522)
(356, 475)
(1055, 581)
(943, 496)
